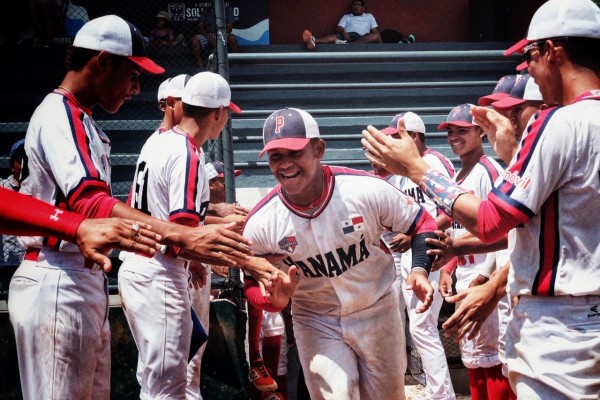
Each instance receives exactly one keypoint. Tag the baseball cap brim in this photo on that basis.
(524, 65)
(233, 107)
(389, 131)
(489, 99)
(517, 47)
(147, 65)
(444, 125)
(285, 143)
(507, 103)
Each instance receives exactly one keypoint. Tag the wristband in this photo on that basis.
(441, 189)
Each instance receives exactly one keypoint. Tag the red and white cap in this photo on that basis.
(412, 123)
(561, 18)
(113, 34)
(216, 169)
(209, 90)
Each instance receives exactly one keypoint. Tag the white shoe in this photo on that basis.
(340, 41)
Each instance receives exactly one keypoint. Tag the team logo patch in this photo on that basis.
(288, 244)
(353, 225)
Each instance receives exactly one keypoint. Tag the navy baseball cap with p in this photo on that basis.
(114, 35)
(412, 123)
(502, 90)
(459, 116)
(289, 128)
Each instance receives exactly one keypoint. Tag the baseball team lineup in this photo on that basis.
(348, 253)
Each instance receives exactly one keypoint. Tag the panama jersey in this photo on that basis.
(553, 187)
(343, 266)
(66, 155)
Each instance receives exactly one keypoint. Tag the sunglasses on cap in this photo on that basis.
(539, 45)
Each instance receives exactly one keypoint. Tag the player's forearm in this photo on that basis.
(168, 230)
(469, 244)
(420, 259)
(499, 279)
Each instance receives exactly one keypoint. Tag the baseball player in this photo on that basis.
(68, 164)
(423, 326)
(552, 337)
(328, 222)
(480, 353)
(170, 183)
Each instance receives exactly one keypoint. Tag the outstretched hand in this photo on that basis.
(97, 237)
(476, 304)
(398, 155)
(215, 244)
(443, 251)
(282, 286)
(499, 130)
(418, 282)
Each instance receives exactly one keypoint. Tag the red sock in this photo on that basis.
(254, 326)
(498, 387)
(271, 346)
(477, 384)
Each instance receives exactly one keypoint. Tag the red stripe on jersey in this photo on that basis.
(528, 145)
(490, 168)
(543, 283)
(191, 177)
(444, 160)
(185, 218)
(75, 116)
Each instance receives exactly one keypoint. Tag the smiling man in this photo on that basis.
(327, 222)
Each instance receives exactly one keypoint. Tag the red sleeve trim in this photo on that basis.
(94, 204)
(494, 222)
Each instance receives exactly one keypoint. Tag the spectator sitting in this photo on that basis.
(204, 42)
(12, 252)
(356, 27)
(163, 35)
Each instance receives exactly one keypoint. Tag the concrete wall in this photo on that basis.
(428, 20)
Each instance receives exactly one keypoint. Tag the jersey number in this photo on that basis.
(140, 190)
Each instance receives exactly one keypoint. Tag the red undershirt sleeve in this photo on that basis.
(256, 298)
(24, 215)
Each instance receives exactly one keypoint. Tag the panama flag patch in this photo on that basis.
(288, 244)
(352, 225)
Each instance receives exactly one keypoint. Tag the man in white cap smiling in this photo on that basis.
(63, 318)
(552, 339)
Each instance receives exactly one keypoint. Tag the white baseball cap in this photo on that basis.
(289, 128)
(115, 35)
(176, 86)
(210, 90)
(561, 18)
(412, 123)
(161, 89)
